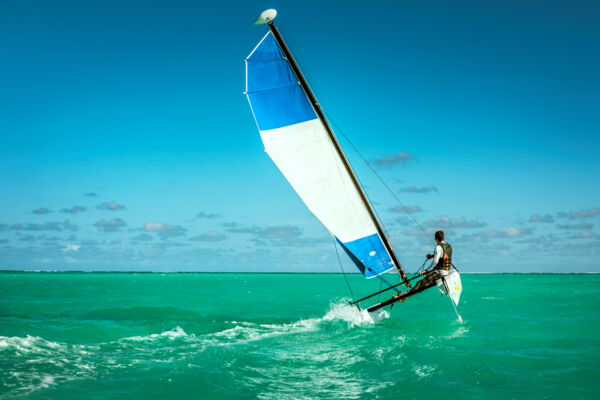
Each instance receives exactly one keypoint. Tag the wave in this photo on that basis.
(28, 356)
(343, 311)
(62, 362)
(244, 332)
(174, 333)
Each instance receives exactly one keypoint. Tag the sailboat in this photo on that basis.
(300, 141)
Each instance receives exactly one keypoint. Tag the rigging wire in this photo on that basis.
(422, 266)
(341, 267)
(382, 279)
(387, 283)
(406, 210)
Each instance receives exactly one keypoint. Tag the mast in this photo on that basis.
(317, 108)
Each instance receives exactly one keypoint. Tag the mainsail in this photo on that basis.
(299, 140)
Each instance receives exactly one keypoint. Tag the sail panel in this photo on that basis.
(369, 255)
(279, 107)
(298, 142)
(276, 97)
(304, 154)
(372, 253)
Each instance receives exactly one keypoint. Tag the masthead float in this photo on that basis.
(300, 141)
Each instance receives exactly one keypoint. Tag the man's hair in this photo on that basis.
(439, 236)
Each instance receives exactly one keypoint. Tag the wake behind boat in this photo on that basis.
(300, 141)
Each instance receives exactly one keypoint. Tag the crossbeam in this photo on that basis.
(384, 290)
(401, 297)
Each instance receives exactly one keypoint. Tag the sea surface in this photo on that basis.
(294, 336)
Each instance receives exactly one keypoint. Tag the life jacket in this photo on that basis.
(446, 260)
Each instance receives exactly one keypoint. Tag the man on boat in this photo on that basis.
(442, 260)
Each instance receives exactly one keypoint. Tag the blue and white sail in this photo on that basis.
(298, 142)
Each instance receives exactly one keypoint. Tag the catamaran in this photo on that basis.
(300, 141)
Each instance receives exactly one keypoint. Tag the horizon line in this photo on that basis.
(270, 272)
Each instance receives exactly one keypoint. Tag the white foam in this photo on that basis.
(30, 352)
(78, 361)
(459, 332)
(30, 344)
(244, 332)
(47, 381)
(423, 371)
(248, 332)
(174, 333)
(37, 382)
(345, 312)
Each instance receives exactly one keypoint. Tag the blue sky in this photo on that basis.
(126, 142)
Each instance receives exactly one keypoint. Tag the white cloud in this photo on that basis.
(206, 215)
(48, 226)
(156, 227)
(585, 235)
(508, 232)
(583, 225)
(473, 238)
(143, 237)
(545, 219)
(423, 189)
(110, 226)
(399, 158)
(74, 209)
(405, 209)
(209, 237)
(269, 232)
(589, 213)
(164, 230)
(283, 235)
(112, 206)
(71, 247)
(446, 222)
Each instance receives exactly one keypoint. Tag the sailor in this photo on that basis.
(442, 260)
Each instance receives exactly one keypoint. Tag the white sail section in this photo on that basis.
(306, 157)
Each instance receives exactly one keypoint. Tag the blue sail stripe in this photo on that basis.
(369, 255)
(276, 97)
(263, 75)
(359, 264)
(283, 106)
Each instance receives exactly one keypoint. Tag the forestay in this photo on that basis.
(297, 141)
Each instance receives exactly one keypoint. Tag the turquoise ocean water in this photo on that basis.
(293, 336)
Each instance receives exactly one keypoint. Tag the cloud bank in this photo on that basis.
(112, 225)
(422, 189)
(74, 209)
(406, 209)
(545, 219)
(165, 231)
(112, 206)
(399, 158)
